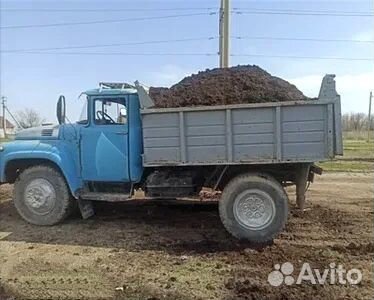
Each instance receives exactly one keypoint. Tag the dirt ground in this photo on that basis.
(240, 84)
(153, 251)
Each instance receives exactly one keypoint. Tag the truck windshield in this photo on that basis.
(83, 118)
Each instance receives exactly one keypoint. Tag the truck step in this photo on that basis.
(109, 197)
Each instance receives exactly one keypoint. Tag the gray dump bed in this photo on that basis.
(283, 132)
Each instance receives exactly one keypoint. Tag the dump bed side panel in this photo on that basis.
(304, 132)
(161, 138)
(239, 134)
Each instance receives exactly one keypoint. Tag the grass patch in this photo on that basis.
(358, 135)
(347, 166)
(358, 155)
(358, 149)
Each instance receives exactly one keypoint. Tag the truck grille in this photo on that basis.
(47, 132)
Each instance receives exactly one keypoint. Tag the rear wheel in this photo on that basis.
(41, 196)
(254, 207)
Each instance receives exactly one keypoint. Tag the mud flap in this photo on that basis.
(302, 176)
(86, 208)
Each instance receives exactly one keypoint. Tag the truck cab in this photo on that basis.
(102, 149)
(110, 140)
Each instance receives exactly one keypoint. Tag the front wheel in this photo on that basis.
(254, 207)
(41, 196)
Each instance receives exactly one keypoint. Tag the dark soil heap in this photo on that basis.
(241, 84)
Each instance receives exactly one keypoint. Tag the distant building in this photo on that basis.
(10, 128)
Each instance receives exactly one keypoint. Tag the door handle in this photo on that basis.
(120, 133)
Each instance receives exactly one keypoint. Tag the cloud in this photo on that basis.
(354, 89)
(364, 36)
(309, 85)
(167, 75)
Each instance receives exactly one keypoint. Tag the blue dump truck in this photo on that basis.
(124, 149)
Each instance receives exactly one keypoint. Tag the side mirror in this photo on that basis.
(123, 112)
(61, 110)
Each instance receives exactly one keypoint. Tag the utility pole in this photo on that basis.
(220, 52)
(3, 102)
(369, 115)
(14, 119)
(224, 34)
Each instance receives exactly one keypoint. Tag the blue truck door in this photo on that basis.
(104, 143)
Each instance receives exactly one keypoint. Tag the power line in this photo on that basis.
(104, 9)
(122, 9)
(291, 13)
(117, 53)
(299, 39)
(196, 54)
(104, 21)
(301, 10)
(182, 40)
(306, 57)
(111, 45)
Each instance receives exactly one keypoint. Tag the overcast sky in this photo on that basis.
(36, 80)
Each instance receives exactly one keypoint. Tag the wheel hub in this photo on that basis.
(40, 196)
(254, 209)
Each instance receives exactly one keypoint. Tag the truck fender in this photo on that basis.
(59, 155)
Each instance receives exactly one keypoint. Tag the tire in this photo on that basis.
(254, 207)
(41, 196)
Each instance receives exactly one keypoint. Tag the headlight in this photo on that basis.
(1, 148)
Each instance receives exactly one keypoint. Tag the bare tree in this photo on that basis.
(356, 122)
(29, 118)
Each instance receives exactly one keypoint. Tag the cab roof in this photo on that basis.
(110, 92)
